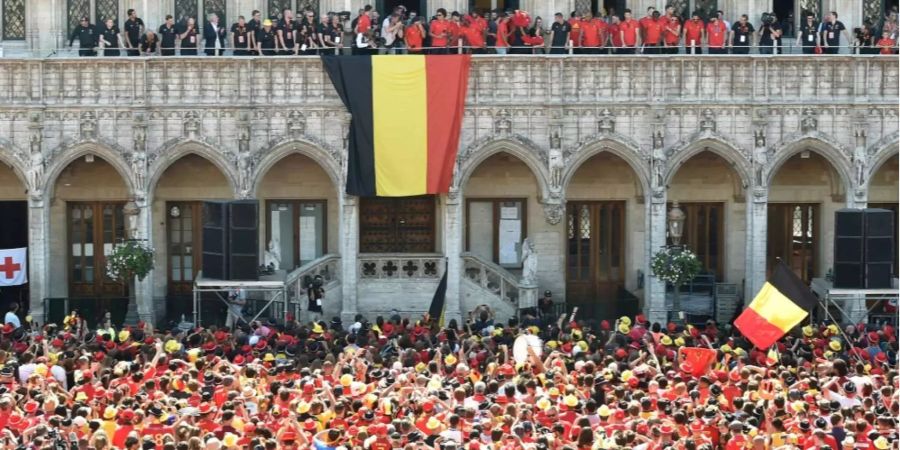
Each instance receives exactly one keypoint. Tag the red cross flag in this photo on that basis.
(13, 270)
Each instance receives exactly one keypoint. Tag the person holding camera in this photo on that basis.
(769, 35)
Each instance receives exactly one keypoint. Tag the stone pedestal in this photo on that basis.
(757, 230)
(453, 253)
(38, 238)
(349, 229)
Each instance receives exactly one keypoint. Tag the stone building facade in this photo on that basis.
(581, 154)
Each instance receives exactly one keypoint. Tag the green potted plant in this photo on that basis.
(676, 266)
(128, 261)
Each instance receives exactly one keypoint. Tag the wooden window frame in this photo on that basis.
(688, 207)
(496, 201)
(813, 246)
(100, 278)
(196, 244)
(432, 225)
(295, 219)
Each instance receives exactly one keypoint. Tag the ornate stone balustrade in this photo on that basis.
(411, 266)
(499, 281)
(327, 266)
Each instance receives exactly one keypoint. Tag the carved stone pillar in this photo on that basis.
(38, 255)
(453, 244)
(654, 288)
(349, 244)
(757, 231)
(145, 306)
(859, 194)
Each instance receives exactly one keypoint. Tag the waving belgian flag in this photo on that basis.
(406, 117)
(782, 303)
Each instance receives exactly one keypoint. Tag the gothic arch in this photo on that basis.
(11, 156)
(828, 148)
(731, 153)
(881, 152)
(613, 143)
(315, 151)
(66, 154)
(175, 150)
(524, 150)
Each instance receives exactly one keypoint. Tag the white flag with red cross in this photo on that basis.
(13, 266)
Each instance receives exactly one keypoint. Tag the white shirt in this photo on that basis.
(216, 29)
(12, 318)
(25, 371)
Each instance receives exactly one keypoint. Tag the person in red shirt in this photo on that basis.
(414, 35)
(615, 38)
(671, 31)
(693, 35)
(886, 44)
(652, 29)
(716, 32)
(575, 35)
(502, 33)
(474, 36)
(455, 27)
(590, 34)
(439, 32)
(629, 34)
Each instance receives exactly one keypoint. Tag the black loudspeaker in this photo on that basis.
(879, 248)
(215, 234)
(243, 240)
(848, 248)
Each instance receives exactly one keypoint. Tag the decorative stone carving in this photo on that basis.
(88, 126)
(556, 164)
(503, 123)
(345, 133)
(36, 159)
(555, 139)
(553, 212)
(138, 159)
(759, 138)
(529, 262)
(244, 160)
(708, 121)
(607, 122)
(192, 124)
(860, 163)
(760, 194)
(296, 123)
(659, 137)
(808, 121)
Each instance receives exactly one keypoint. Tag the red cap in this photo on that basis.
(621, 353)
(604, 325)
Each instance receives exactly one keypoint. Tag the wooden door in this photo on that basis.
(595, 260)
(184, 239)
(94, 228)
(397, 224)
(704, 234)
(793, 230)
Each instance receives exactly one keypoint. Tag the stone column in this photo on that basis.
(349, 244)
(757, 230)
(453, 238)
(144, 295)
(547, 8)
(38, 255)
(654, 288)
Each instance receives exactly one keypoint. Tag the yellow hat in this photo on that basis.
(666, 340)
(302, 408)
(740, 352)
(230, 440)
(626, 320)
(552, 344)
(624, 328)
(604, 411)
(881, 443)
(433, 423)
(798, 406)
(553, 392)
(808, 331)
(498, 331)
(835, 345)
(828, 354)
(576, 334)
(583, 346)
(267, 23)
(124, 335)
(832, 329)
(543, 403)
(193, 354)
(317, 328)
(679, 341)
(172, 346)
(109, 413)
(41, 369)
(346, 379)
(420, 367)
(269, 357)
(626, 375)
(371, 399)
(571, 401)
(81, 396)
(449, 360)
(725, 348)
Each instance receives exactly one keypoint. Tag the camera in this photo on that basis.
(767, 18)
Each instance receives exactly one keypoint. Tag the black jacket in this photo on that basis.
(210, 35)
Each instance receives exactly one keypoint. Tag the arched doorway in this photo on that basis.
(603, 230)
(298, 205)
(178, 228)
(709, 191)
(13, 229)
(883, 193)
(804, 193)
(86, 223)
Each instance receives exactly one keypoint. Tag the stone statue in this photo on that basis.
(273, 255)
(502, 123)
(760, 156)
(809, 122)
(859, 165)
(708, 122)
(245, 173)
(557, 164)
(36, 168)
(607, 122)
(139, 167)
(529, 262)
(658, 163)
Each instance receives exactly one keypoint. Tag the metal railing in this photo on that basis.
(327, 266)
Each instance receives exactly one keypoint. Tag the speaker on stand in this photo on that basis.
(243, 240)
(879, 248)
(215, 235)
(848, 248)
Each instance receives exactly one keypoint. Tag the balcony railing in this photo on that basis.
(534, 79)
(393, 266)
(499, 281)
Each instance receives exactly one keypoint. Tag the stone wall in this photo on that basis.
(550, 129)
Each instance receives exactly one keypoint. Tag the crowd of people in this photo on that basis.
(407, 383)
(498, 32)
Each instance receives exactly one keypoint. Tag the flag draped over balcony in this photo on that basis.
(780, 305)
(406, 118)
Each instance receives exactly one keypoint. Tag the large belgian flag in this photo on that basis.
(406, 117)
(780, 305)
